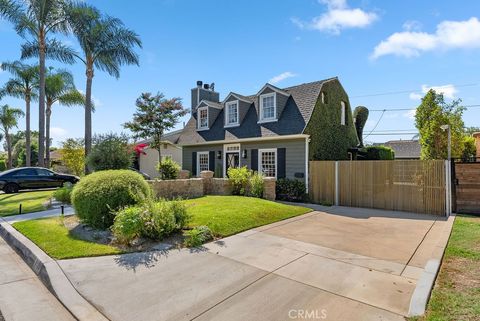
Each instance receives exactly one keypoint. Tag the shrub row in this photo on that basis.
(291, 190)
(64, 194)
(379, 153)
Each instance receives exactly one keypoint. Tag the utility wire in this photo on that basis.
(375, 125)
(406, 109)
(410, 91)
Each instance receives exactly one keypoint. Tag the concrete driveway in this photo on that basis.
(334, 264)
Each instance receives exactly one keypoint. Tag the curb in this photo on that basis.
(51, 275)
(423, 290)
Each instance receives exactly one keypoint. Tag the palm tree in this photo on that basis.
(107, 45)
(38, 19)
(8, 120)
(23, 85)
(59, 87)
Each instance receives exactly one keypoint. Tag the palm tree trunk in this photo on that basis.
(41, 104)
(48, 113)
(9, 150)
(88, 115)
(27, 131)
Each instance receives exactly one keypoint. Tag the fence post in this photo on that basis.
(337, 188)
(447, 189)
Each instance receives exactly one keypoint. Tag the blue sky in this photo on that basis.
(374, 47)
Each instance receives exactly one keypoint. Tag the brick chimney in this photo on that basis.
(203, 92)
(477, 142)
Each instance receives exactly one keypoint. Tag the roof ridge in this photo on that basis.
(310, 83)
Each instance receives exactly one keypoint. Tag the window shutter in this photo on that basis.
(254, 161)
(211, 161)
(282, 162)
(194, 164)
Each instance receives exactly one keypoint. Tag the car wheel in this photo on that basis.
(11, 188)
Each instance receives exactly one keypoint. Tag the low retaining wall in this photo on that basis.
(205, 185)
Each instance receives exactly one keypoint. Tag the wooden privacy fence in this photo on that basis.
(400, 185)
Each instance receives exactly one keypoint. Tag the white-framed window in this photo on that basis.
(267, 162)
(231, 113)
(202, 162)
(268, 106)
(324, 98)
(202, 118)
(343, 113)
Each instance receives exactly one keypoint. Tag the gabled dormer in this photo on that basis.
(236, 107)
(270, 103)
(206, 112)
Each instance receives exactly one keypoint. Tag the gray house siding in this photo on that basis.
(294, 155)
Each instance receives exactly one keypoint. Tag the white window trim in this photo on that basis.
(227, 113)
(198, 161)
(343, 113)
(198, 119)
(323, 97)
(267, 120)
(224, 160)
(266, 150)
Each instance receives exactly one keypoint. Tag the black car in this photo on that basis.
(16, 179)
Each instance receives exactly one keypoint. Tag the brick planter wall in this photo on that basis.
(205, 185)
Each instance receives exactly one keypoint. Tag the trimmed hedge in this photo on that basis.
(97, 196)
(379, 153)
(329, 139)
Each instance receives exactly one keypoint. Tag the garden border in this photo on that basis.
(50, 273)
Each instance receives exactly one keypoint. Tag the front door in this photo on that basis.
(232, 160)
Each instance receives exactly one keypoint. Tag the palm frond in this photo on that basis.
(72, 98)
(54, 50)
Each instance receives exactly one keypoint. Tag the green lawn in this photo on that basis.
(227, 215)
(54, 238)
(456, 295)
(31, 202)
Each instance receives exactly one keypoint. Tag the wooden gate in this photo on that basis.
(400, 185)
(467, 187)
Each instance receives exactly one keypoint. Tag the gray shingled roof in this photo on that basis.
(293, 119)
(404, 148)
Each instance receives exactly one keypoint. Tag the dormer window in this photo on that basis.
(231, 117)
(202, 118)
(268, 107)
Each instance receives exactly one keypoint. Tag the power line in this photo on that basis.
(407, 109)
(375, 124)
(410, 91)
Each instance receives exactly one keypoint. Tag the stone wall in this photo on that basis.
(205, 185)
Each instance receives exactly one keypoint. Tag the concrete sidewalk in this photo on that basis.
(22, 296)
(68, 210)
(344, 264)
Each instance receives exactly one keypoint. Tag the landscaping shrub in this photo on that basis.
(97, 196)
(291, 190)
(168, 169)
(238, 178)
(256, 185)
(110, 151)
(64, 194)
(3, 165)
(379, 153)
(197, 236)
(128, 224)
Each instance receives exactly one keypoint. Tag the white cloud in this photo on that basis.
(58, 133)
(410, 114)
(412, 25)
(338, 17)
(448, 35)
(448, 91)
(281, 77)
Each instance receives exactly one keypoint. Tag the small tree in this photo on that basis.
(110, 151)
(8, 120)
(360, 116)
(73, 155)
(154, 116)
(432, 113)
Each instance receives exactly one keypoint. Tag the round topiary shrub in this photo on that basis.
(97, 196)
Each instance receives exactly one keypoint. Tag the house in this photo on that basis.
(148, 158)
(275, 131)
(404, 149)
